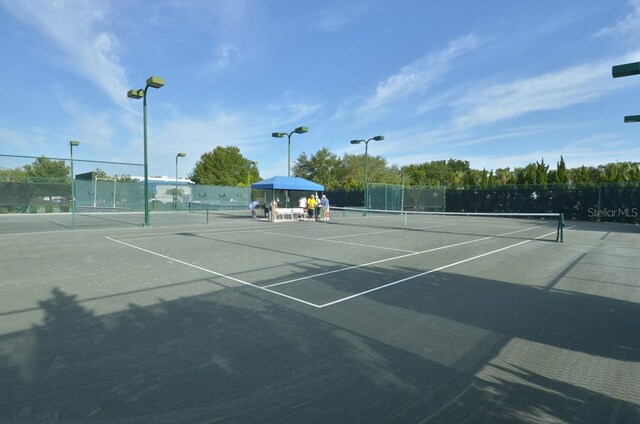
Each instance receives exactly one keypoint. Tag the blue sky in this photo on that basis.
(500, 83)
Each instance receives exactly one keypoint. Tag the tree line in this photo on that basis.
(226, 166)
(347, 172)
(47, 170)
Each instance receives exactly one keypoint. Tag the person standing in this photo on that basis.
(324, 202)
(302, 204)
(311, 207)
(273, 210)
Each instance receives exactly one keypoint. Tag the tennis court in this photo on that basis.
(360, 319)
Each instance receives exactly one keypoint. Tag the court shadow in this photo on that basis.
(229, 357)
(236, 356)
(579, 322)
(522, 396)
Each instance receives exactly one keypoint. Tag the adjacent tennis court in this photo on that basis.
(370, 317)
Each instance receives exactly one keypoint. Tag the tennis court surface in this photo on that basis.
(444, 320)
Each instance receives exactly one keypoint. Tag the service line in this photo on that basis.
(396, 257)
(432, 271)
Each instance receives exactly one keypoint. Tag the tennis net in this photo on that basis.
(542, 226)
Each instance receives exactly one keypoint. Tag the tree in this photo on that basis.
(561, 172)
(223, 166)
(584, 175)
(43, 167)
(503, 176)
(15, 175)
(324, 167)
(541, 172)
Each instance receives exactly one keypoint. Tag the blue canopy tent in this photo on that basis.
(286, 184)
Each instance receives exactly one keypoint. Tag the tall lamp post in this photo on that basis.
(402, 194)
(366, 145)
(154, 82)
(175, 193)
(73, 143)
(299, 130)
(252, 163)
(626, 70)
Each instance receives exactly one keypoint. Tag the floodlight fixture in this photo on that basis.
(299, 130)
(625, 70)
(135, 93)
(155, 82)
(631, 118)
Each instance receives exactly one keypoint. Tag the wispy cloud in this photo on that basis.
(226, 55)
(248, 129)
(291, 110)
(587, 152)
(95, 127)
(551, 91)
(629, 26)
(414, 78)
(73, 26)
(345, 14)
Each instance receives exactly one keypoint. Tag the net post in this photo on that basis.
(560, 233)
(207, 207)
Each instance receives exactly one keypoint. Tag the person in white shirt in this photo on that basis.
(302, 204)
(252, 207)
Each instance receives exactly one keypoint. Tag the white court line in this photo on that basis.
(267, 288)
(173, 233)
(401, 257)
(336, 241)
(375, 262)
(432, 271)
(213, 272)
(56, 221)
(383, 232)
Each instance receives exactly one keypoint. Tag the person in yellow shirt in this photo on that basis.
(311, 206)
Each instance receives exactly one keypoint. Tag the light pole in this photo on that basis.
(175, 193)
(626, 70)
(155, 82)
(299, 130)
(73, 143)
(402, 194)
(252, 163)
(366, 145)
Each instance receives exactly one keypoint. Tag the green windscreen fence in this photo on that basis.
(113, 186)
(102, 187)
(46, 195)
(614, 202)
